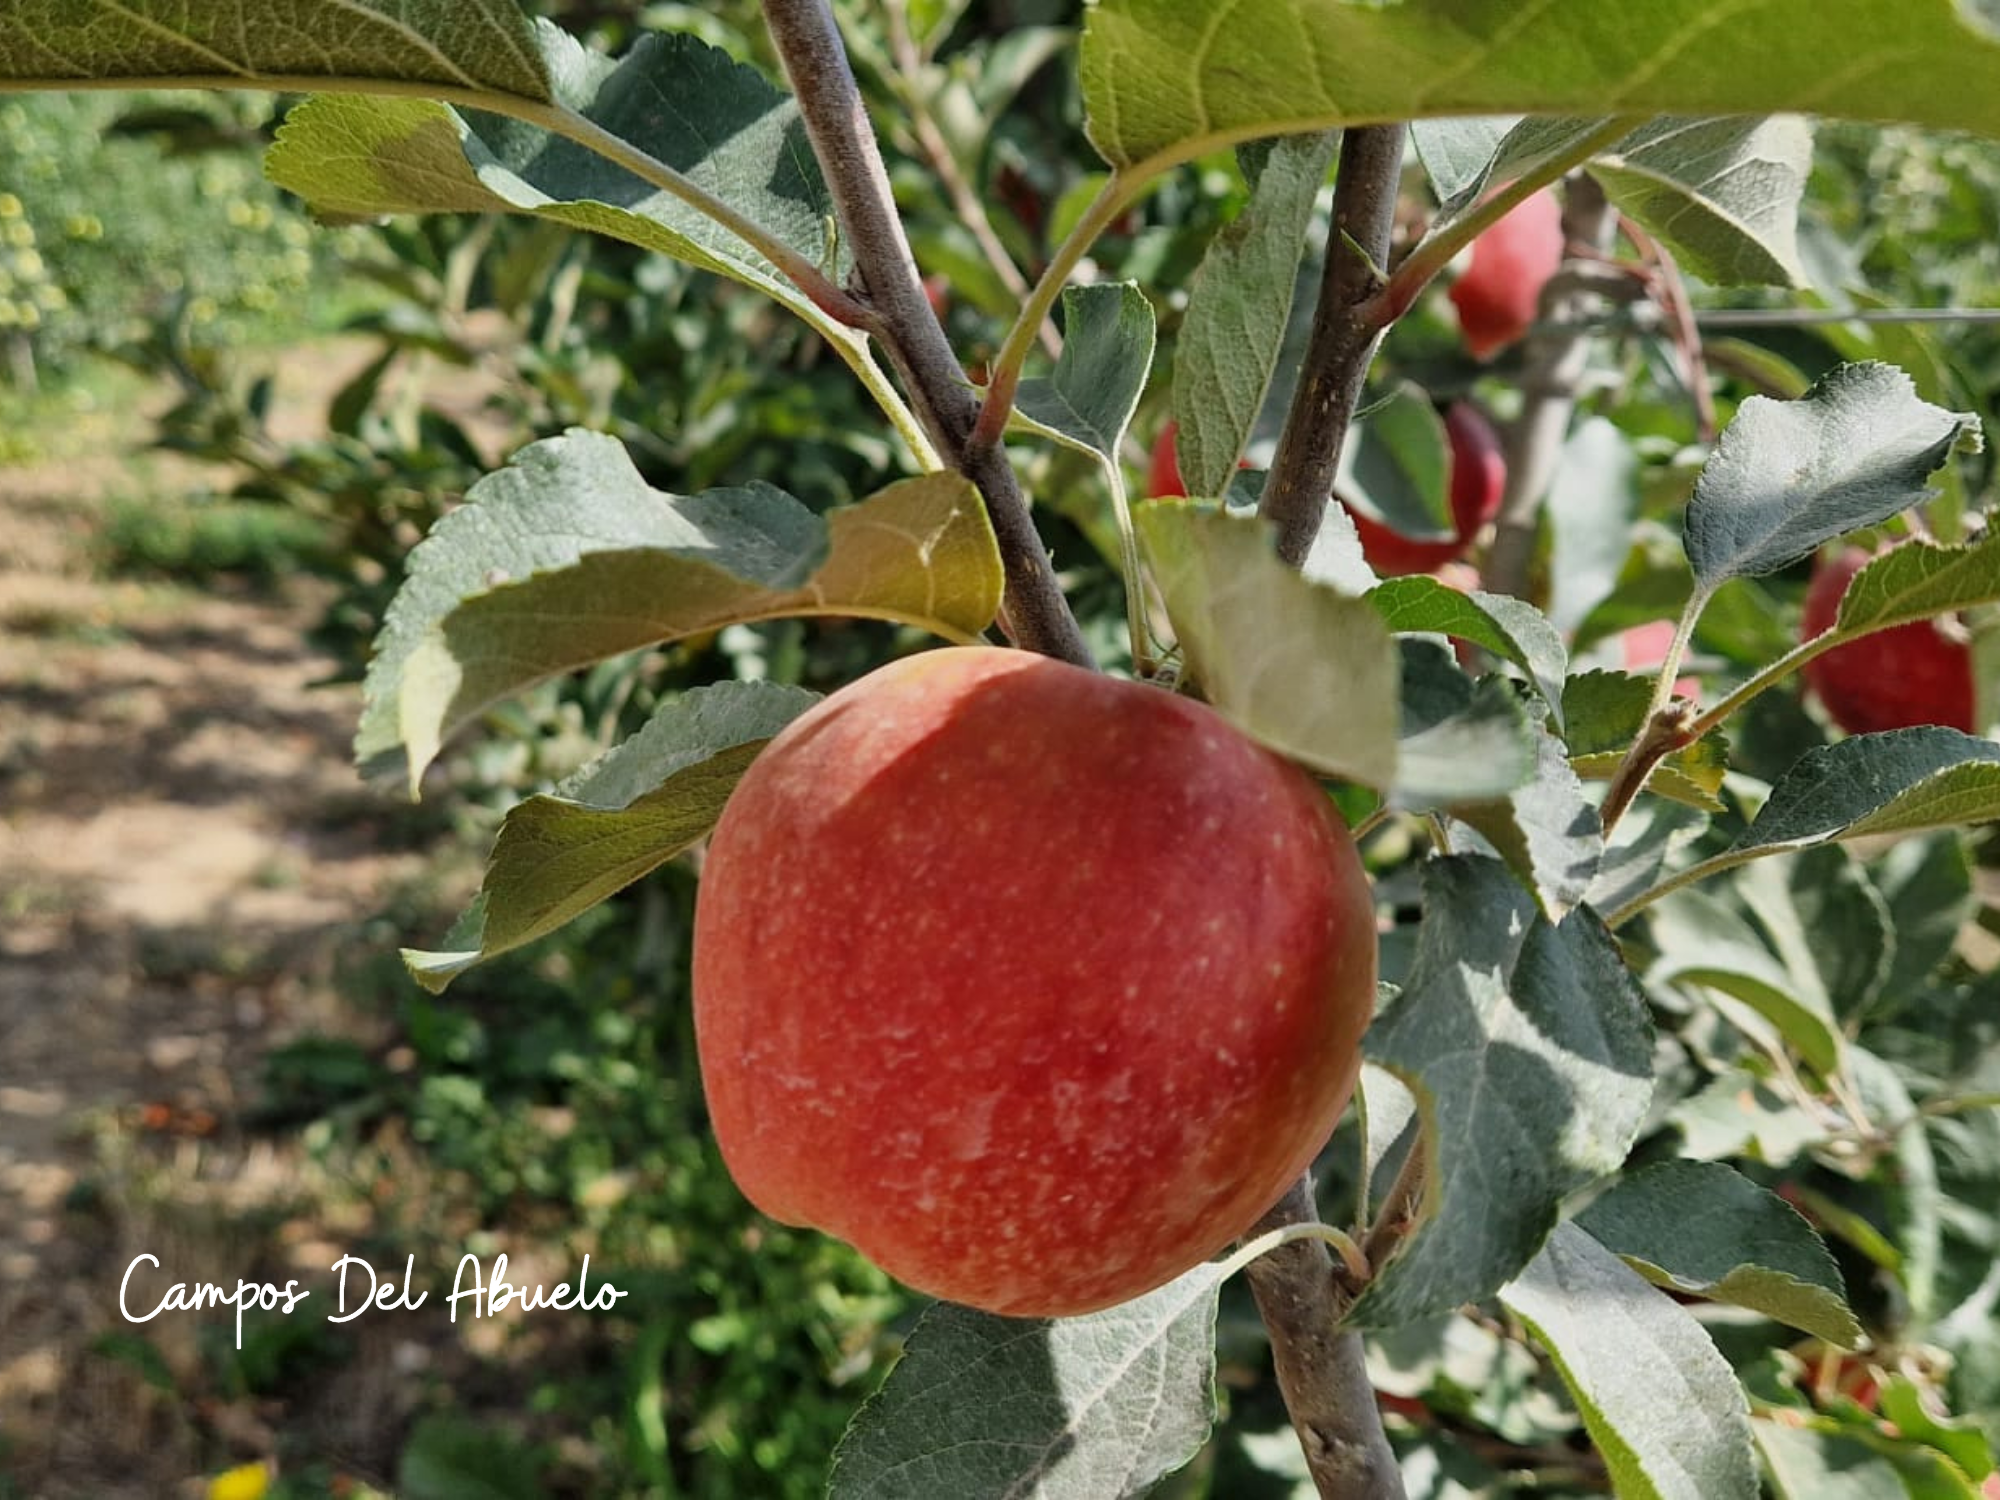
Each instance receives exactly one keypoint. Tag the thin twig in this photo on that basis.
(897, 312)
(1670, 289)
(970, 208)
(1346, 327)
(1322, 1367)
(1558, 357)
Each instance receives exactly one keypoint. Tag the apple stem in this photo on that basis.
(896, 312)
(1347, 324)
(1340, 1241)
(1558, 358)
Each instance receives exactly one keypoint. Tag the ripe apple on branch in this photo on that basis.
(1036, 985)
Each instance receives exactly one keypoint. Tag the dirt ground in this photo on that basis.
(183, 849)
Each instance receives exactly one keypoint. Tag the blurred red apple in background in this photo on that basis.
(1899, 677)
(1643, 649)
(1036, 985)
(1163, 477)
(1501, 289)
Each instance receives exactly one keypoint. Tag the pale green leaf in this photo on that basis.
(1292, 663)
(1789, 475)
(1592, 506)
(1164, 76)
(1107, 351)
(1469, 158)
(691, 107)
(1917, 580)
(1821, 1460)
(1460, 742)
(567, 556)
(1705, 941)
(1706, 1230)
(1905, 1403)
(1239, 304)
(1723, 195)
(621, 817)
(1662, 1404)
(1091, 1408)
(1546, 830)
(456, 45)
(1530, 1055)
(1649, 836)
(1738, 1114)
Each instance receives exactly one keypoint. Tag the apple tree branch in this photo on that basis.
(896, 312)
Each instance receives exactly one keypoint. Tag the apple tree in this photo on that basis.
(1666, 960)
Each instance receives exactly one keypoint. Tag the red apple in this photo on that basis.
(1163, 476)
(1036, 985)
(1905, 675)
(1478, 482)
(1501, 289)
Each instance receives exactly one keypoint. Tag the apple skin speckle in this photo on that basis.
(1074, 1054)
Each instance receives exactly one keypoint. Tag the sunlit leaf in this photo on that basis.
(1067, 1409)
(627, 813)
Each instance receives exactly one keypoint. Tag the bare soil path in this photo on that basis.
(183, 848)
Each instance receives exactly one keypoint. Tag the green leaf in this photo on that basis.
(1916, 1200)
(1917, 580)
(1292, 663)
(1163, 76)
(455, 45)
(1820, 1460)
(1083, 1408)
(1705, 1229)
(1239, 303)
(1603, 713)
(448, 1457)
(1829, 924)
(1592, 506)
(1647, 838)
(1739, 1114)
(1508, 627)
(744, 145)
(1530, 1054)
(1107, 351)
(1705, 941)
(1789, 475)
(624, 815)
(1664, 1407)
(1395, 466)
(1900, 781)
(1460, 741)
(1927, 883)
(1336, 557)
(1468, 158)
(1546, 830)
(1723, 195)
(1960, 1440)
(567, 557)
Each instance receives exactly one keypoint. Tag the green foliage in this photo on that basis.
(119, 212)
(199, 541)
(1572, 1016)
